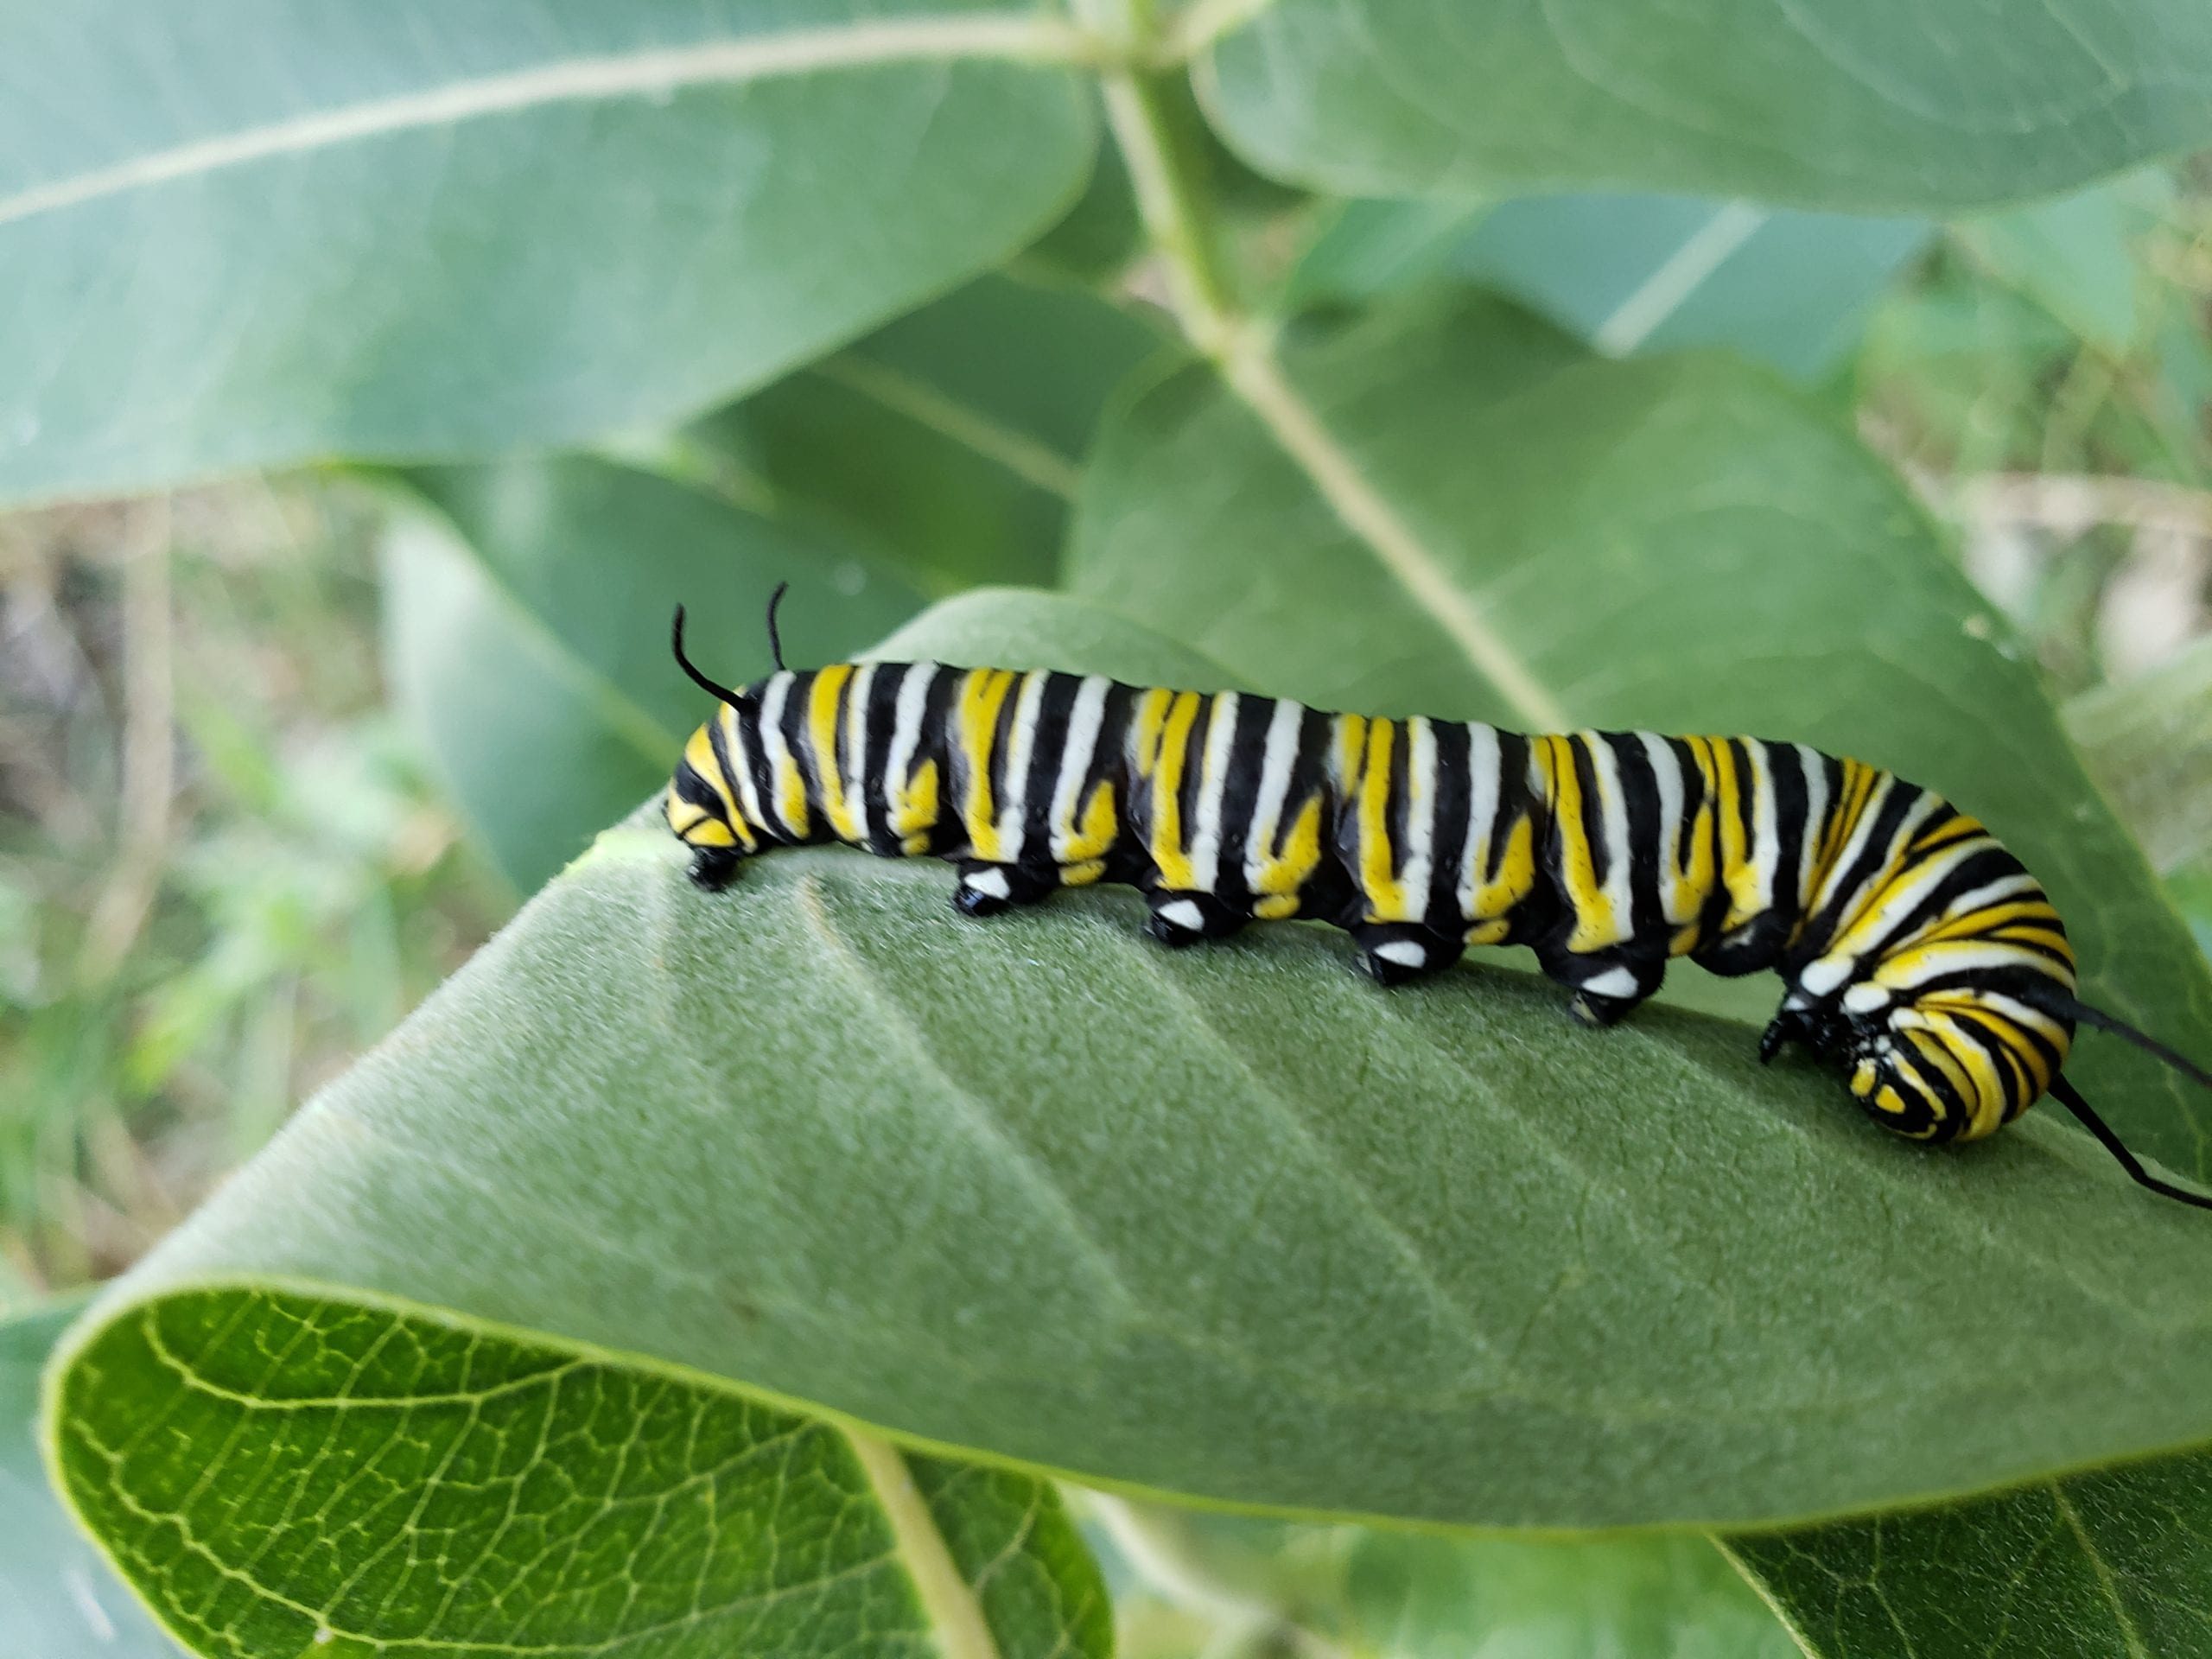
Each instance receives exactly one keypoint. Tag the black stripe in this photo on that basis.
(1048, 758)
(1398, 795)
(1640, 799)
(1194, 770)
(695, 789)
(723, 764)
(1309, 777)
(1240, 794)
(1785, 765)
(933, 741)
(794, 726)
(1517, 799)
(1602, 853)
(882, 721)
(1862, 869)
(1454, 802)
(1002, 741)
(756, 765)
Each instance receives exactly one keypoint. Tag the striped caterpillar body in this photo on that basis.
(1916, 953)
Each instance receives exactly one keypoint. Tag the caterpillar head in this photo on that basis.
(704, 803)
(1951, 1062)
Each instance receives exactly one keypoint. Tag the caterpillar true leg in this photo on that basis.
(1185, 916)
(987, 889)
(714, 867)
(1393, 953)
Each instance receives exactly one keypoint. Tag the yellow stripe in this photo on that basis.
(1988, 919)
(982, 692)
(1102, 823)
(1386, 898)
(1578, 870)
(1286, 872)
(1739, 861)
(1168, 851)
(700, 753)
(824, 706)
(1961, 828)
(1145, 726)
(1515, 879)
(1350, 744)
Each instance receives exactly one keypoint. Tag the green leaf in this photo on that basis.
(1231, 1224)
(2105, 1565)
(1679, 545)
(1408, 1595)
(2149, 742)
(58, 1599)
(951, 440)
(526, 634)
(1660, 1597)
(417, 233)
(297, 1476)
(1097, 238)
(1370, 250)
(1881, 107)
(2074, 257)
(1631, 274)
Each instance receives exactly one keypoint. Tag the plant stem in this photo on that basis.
(1157, 1544)
(1176, 219)
(1179, 222)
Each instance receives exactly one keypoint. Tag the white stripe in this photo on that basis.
(1891, 902)
(1903, 898)
(854, 775)
(1968, 956)
(1421, 820)
(740, 759)
(1083, 721)
(1816, 811)
(1852, 847)
(1666, 771)
(906, 733)
(774, 747)
(2005, 886)
(1482, 765)
(1766, 833)
(1613, 805)
(1213, 783)
(645, 73)
(1281, 755)
(1013, 800)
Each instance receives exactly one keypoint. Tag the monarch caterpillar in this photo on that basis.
(1917, 953)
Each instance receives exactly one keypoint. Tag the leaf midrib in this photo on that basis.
(1032, 38)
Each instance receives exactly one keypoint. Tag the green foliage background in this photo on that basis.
(690, 1277)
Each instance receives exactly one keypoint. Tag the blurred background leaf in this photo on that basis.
(1870, 107)
(1633, 273)
(511, 225)
(949, 443)
(526, 633)
(59, 1596)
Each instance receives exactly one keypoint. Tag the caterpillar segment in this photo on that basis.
(1917, 956)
